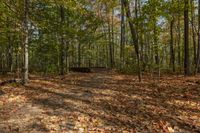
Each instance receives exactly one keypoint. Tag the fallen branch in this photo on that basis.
(10, 81)
(80, 69)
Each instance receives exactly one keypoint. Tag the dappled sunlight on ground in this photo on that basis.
(101, 102)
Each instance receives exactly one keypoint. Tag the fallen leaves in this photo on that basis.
(105, 102)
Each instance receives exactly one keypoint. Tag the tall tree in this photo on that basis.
(122, 42)
(198, 49)
(26, 42)
(186, 39)
(62, 43)
(172, 55)
(179, 34)
(134, 36)
(193, 31)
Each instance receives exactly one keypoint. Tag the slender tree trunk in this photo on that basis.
(157, 57)
(110, 43)
(113, 39)
(134, 36)
(179, 38)
(17, 61)
(136, 23)
(89, 60)
(186, 39)
(122, 43)
(9, 48)
(26, 42)
(62, 43)
(156, 45)
(198, 49)
(136, 27)
(172, 55)
(10, 52)
(79, 54)
(1, 62)
(67, 57)
(142, 39)
(2, 56)
(97, 55)
(193, 31)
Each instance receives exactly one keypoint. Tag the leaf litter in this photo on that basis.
(101, 102)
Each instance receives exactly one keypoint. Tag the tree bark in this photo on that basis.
(134, 36)
(26, 42)
(193, 31)
(198, 49)
(62, 43)
(122, 41)
(110, 40)
(10, 52)
(172, 55)
(113, 39)
(186, 39)
(179, 37)
(79, 54)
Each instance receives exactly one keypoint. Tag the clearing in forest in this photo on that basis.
(101, 102)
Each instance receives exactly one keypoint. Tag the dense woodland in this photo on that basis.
(140, 58)
(131, 36)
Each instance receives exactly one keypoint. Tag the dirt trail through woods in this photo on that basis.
(101, 102)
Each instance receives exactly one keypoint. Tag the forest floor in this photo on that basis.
(104, 102)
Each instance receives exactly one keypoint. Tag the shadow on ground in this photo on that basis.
(112, 102)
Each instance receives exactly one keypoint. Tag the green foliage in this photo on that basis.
(95, 25)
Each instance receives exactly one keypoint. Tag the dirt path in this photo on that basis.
(101, 102)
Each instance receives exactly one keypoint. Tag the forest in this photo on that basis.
(100, 66)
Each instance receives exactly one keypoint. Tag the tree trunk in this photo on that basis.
(156, 44)
(26, 42)
(122, 43)
(113, 40)
(10, 52)
(186, 39)
(79, 54)
(9, 48)
(134, 36)
(62, 43)
(179, 38)
(198, 50)
(172, 56)
(110, 42)
(67, 57)
(193, 31)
